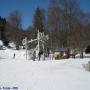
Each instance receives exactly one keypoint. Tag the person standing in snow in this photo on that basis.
(34, 55)
(48, 52)
(14, 56)
(51, 55)
(39, 54)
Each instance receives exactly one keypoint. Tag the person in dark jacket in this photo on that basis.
(40, 53)
(14, 56)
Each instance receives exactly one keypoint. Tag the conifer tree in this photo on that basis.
(39, 20)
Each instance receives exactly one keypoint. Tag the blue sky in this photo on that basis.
(27, 8)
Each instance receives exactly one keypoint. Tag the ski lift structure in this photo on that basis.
(41, 40)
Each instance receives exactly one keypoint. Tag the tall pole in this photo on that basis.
(43, 51)
(43, 36)
(38, 44)
(26, 46)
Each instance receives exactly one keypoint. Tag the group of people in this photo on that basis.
(43, 55)
(39, 55)
(34, 55)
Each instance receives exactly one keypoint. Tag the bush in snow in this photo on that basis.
(87, 66)
(12, 45)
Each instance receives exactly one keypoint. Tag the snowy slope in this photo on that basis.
(8, 54)
(43, 75)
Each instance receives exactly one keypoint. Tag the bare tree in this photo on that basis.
(62, 16)
(39, 19)
(14, 24)
(15, 19)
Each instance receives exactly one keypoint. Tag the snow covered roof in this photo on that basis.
(60, 49)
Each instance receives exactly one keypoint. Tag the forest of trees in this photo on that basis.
(66, 24)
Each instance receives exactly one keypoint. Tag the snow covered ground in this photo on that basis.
(24, 74)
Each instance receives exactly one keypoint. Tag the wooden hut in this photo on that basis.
(61, 53)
